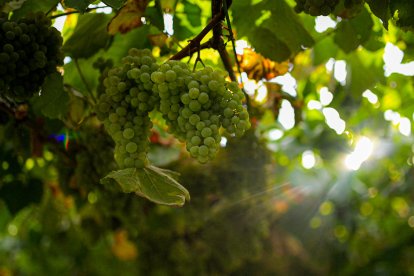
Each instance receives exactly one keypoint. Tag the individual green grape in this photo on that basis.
(128, 133)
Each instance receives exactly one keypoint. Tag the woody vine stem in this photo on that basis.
(219, 11)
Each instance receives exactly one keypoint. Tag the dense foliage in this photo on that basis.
(287, 121)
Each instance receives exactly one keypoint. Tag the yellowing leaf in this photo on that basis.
(123, 248)
(258, 67)
(128, 17)
(159, 40)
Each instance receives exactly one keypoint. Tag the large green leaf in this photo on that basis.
(116, 4)
(324, 50)
(154, 15)
(273, 48)
(155, 184)
(72, 76)
(353, 32)
(136, 38)
(286, 25)
(88, 37)
(53, 100)
(181, 31)
(80, 5)
(193, 13)
(365, 70)
(271, 27)
(34, 6)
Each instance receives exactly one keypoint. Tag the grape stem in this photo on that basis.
(220, 13)
(72, 12)
(84, 81)
(194, 44)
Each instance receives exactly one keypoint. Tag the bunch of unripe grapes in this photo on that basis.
(30, 49)
(125, 105)
(316, 7)
(195, 105)
(103, 65)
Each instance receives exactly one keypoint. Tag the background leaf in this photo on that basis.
(53, 101)
(80, 5)
(350, 33)
(128, 17)
(88, 37)
(116, 4)
(271, 27)
(34, 6)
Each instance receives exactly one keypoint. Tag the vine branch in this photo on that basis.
(72, 12)
(194, 44)
(219, 10)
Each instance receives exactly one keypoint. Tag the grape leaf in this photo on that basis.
(116, 4)
(365, 70)
(155, 184)
(193, 13)
(122, 43)
(80, 5)
(324, 50)
(34, 6)
(353, 32)
(273, 48)
(53, 100)
(154, 16)
(271, 27)
(89, 74)
(88, 37)
(128, 17)
(181, 31)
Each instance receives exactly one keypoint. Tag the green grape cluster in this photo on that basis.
(316, 7)
(195, 105)
(30, 49)
(103, 65)
(125, 106)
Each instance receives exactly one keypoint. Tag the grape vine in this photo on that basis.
(195, 105)
(30, 49)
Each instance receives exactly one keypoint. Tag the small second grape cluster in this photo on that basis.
(30, 49)
(195, 105)
(316, 7)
